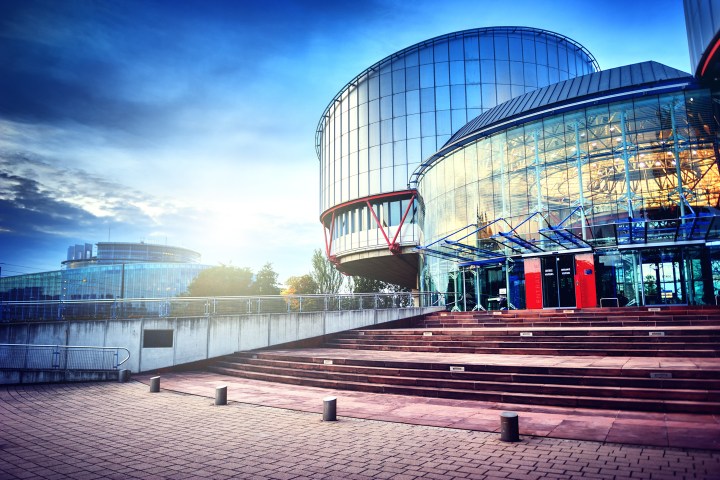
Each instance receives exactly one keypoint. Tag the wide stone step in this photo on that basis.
(643, 404)
(424, 371)
(533, 335)
(535, 343)
(407, 379)
(339, 357)
(557, 350)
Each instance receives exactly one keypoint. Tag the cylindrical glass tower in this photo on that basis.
(380, 126)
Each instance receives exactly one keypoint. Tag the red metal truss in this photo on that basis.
(393, 245)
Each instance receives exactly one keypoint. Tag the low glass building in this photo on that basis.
(116, 270)
(387, 119)
(599, 190)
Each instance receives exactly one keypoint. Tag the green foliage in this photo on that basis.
(369, 285)
(366, 285)
(303, 284)
(266, 281)
(327, 277)
(221, 281)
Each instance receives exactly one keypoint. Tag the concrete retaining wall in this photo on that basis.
(198, 338)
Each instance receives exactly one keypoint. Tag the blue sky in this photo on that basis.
(192, 122)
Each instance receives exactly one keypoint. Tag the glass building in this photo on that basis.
(383, 123)
(117, 270)
(599, 190)
(702, 21)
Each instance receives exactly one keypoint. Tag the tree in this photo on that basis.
(304, 284)
(366, 285)
(327, 277)
(370, 285)
(266, 281)
(221, 281)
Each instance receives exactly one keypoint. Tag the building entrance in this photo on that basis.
(663, 277)
(558, 281)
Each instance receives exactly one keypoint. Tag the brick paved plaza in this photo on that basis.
(112, 430)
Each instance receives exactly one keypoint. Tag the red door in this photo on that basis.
(585, 291)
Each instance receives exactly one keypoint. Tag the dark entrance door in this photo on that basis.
(558, 281)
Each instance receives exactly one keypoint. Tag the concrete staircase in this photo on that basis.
(626, 359)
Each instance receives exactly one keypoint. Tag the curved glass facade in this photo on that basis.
(634, 184)
(119, 271)
(402, 109)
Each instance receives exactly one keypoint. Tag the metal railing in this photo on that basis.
(98, 309)
(19, 356)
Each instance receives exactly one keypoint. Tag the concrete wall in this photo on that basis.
(199, 338)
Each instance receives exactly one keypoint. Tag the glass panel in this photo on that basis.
(444, 127)
(386, 110)
(457, 72)
(413, 126)
(412, 102)
(412, 78)
(427, 100)
(471, 48)
(411, 58)
(516, 48)
(386, 131)
(442, 73)
(457, 96)
(363, 137)
(441, 51)
(473, 97)
(398, 104)
(442, 98)
(487, 48)
(530, 74)
(398, 77)
(427, 123)
(528, 48)
(386, 155)
(374, 158)
(386, 180)
(427, 76)
(426, 55)
(373, 87)
(502, 72)
(399, 153)
(400, 180)
(374, 134)
(385, 84)
(374, 110)
(516, 73)
(472, 72)
(399, 128)
(487, 71)
(456, 49)
(501, 47)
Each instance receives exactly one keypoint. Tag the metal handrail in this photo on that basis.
(89, 309)
(61, 357)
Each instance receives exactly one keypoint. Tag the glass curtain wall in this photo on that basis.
(649, 158)
(401, 110)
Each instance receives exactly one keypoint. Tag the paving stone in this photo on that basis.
(174, 435)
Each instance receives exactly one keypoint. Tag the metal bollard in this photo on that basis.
(509, 427)
(123, 375)
(329, 409)
(221, 395)
(154, 384)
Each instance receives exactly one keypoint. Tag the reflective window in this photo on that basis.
(401, 110)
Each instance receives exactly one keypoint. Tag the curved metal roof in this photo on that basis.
(586, 88)
(404, 51)
(629, 76)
